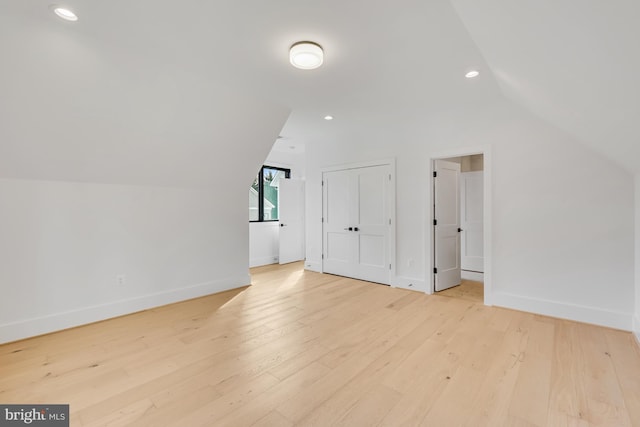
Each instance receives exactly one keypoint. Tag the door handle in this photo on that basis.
(355, 228)
(283, 225)
(349, 229)
(459, 229)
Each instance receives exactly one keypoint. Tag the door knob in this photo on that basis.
(355, 228)
(459, 229)
(282, 225)
(349, 229)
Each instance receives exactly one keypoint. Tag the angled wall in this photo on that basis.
(570, 63)
(116, 161)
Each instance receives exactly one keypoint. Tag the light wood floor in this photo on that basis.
(300, 348)
(468, 290)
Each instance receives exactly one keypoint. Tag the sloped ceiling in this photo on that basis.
(573, 63)
(158, 92)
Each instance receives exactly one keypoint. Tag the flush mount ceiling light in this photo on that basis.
(471, 74)
(328, 117)
(306, 55)
(64, 13)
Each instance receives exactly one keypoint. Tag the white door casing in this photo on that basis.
(447, 224)
(356, 223)
(472, 221)
(291, 212)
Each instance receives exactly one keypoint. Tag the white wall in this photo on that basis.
(561, 241)
(562, 244)
(63, 245)
(264, 243)
(86, 178)
(264, 238)
(636, 324)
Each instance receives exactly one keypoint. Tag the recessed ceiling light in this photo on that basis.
(306, 55)
(471, 74)
(65, 13)
(328, 117)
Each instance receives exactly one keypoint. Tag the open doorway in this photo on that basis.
(459, 226)
(276, 206)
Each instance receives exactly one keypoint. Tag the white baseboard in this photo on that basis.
(55, 322)
(257, 262)
(472, 275)
(313, 266)
(409, 283)
(636, 328)
(579, 313)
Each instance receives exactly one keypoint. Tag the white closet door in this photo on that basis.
(372, 223)
(338, 241)
(356, 223)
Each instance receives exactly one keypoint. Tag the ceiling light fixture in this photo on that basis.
(64, 13)
(306, 55)
(471, 74)
(328, 117)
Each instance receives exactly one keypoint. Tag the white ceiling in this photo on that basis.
(574, 63)
(177, 86)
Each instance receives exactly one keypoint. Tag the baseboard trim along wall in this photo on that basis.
(313, 266)
(579, 313)
(636, 329)
(472, 275)
(258, 262)
(43, 325)
(409, 283)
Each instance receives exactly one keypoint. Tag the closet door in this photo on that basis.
(356, 225)
(337, 229)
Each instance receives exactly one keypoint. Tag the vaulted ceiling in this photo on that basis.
(573, 63)
(155, 92)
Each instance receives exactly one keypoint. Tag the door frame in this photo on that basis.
(391, 206)
(487, 220)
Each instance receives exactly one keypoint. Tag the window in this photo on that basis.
(263, 194)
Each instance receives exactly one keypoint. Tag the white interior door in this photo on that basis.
(337, 228)
(472, 222)
(356, 206)
(291, 212)
(371, 203)
(447, 224)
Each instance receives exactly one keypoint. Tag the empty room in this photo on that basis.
(291, 213)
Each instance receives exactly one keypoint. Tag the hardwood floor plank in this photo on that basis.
(625, 356)
(302, 348)
(567, 400)
(213, 411)
(281, 394)
(468, 290)
(273, 419)
(126, 415)
(530, 395)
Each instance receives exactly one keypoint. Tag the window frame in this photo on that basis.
(260, 176)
